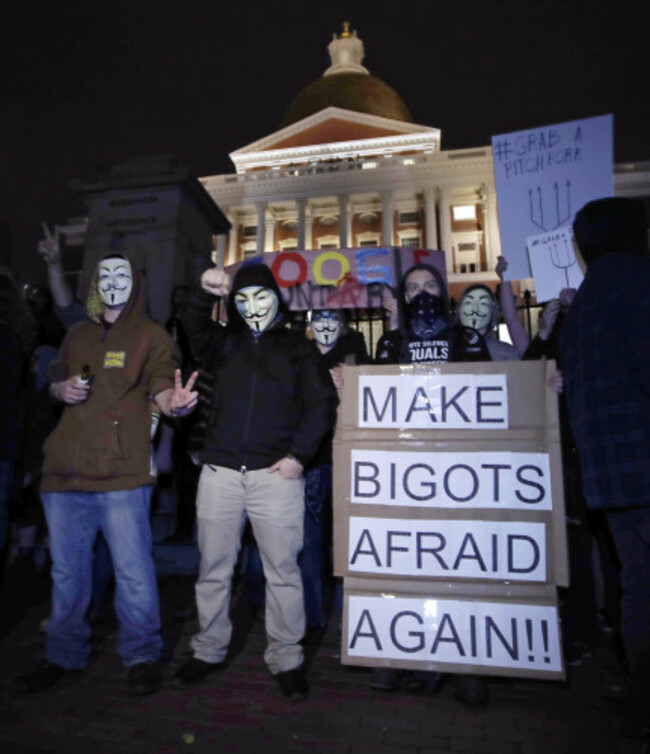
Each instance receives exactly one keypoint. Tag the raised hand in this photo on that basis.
(216, 282)
(49, 247)
(184, 399)
(502, 267)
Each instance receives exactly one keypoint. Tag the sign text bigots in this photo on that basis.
(426, 479)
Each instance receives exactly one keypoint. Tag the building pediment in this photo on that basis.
(334, 133)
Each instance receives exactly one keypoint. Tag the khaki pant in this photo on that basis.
(275, 507)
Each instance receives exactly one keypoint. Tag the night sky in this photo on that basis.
(87, 84)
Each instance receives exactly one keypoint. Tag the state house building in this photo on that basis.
(348, 168)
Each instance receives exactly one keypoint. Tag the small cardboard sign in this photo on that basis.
(554, 263)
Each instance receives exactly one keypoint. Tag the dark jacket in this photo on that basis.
(605, 356)
(271, 396)
(350, 349)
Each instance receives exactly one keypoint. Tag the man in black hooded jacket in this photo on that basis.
(271, 407)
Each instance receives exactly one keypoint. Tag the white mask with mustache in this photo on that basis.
(326, 326)
(257, 305)
(114, 281)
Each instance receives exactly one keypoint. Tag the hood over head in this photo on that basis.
(258, 274)
(611, 226)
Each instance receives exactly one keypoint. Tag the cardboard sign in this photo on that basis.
(544, 176)
(343, 278)
(434, 401)
(424, 479)
(449, 549)
(448, 483)
(554, 263)
(453, 634)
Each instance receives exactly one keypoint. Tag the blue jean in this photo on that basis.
(74, 520)
(102, 575)
(318, 503)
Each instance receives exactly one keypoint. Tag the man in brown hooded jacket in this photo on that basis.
(97, 475)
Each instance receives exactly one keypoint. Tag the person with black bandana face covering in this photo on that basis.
(423, 321)
(425, 336)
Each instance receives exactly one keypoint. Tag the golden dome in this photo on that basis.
(348, 85)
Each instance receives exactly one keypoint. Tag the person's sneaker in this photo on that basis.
(144, 678)
(293, 684)
(385, 679)
(471, 690)
(196, 670)
(45, 675)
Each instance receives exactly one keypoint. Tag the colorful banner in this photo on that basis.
(343, 278)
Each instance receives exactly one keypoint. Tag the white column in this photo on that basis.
(350, 234)
(309, 227)
(301, 204)
(445, 228)
(269, 232)
(232, 240)
(343, 221)
(492, 237)
(430, 219)
(387, 238)
(221, 250)
(261, 227)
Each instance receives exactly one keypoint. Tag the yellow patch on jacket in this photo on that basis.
(114, 359)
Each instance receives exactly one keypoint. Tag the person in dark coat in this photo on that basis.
(271, 407)
(605, 350)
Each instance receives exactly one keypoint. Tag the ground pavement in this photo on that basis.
(241, 711)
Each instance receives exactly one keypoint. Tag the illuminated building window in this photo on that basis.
(329, 242)
(410, 240)
(464, 212)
